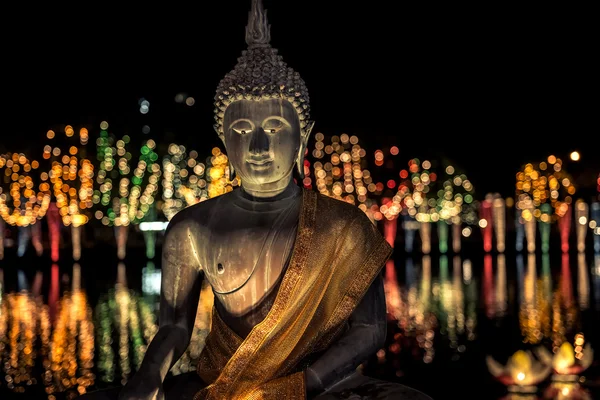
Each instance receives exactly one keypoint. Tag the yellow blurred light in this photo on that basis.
(69, 130)
(79, 220)
(575, 156)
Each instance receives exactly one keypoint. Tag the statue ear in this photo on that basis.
(307, 130)
(303, 143)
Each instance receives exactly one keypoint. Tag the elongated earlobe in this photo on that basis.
(300, 162)
(302, 150)
(231, 173)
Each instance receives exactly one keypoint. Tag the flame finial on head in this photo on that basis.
(258, 30)
(261, 73)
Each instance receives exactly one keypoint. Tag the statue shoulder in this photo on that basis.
(192, 220)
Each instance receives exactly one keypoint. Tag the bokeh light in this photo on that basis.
(339, 170)
(575, 156)
(71, 176)
(545, 182)
(126, 191)
(183, 182)
(24, 190)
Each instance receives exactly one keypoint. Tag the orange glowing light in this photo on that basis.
(69, 131)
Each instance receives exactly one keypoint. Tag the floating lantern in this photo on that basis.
(569, 362)
(521, 374)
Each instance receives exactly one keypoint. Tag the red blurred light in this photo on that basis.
(404, 174)
(391, 184)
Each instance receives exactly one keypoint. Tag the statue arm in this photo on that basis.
(180, 291)
(366, 334)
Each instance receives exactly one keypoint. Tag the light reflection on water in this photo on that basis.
(446, 314)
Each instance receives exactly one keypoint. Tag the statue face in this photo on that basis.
(262, 139)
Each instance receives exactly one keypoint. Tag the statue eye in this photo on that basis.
(273, 125)
(242, 127)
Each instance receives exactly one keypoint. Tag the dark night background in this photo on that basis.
(490, 89)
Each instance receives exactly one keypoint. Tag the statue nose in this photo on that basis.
(260, 142)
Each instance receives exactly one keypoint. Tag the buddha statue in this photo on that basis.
(299, 302)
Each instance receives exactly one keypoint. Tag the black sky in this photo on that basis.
(489, 89)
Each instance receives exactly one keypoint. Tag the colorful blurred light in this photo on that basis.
(183, 182)
(125, 192)
(540, 183)
(24, 195)
(339, 170)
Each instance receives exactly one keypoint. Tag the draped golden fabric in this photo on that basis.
(337, 255)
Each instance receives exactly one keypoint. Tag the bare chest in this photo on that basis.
(245, 256)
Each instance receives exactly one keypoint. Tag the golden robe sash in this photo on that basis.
(337, 254)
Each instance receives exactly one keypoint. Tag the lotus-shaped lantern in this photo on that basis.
(568, 362)
(522, 372)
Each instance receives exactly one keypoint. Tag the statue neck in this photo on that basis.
(270, 191)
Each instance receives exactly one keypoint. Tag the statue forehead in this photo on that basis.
(260, 109)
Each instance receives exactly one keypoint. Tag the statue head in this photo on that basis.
(262, 110)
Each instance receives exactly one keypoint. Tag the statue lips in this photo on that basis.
(260, 163)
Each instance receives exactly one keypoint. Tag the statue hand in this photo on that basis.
(143, 388)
